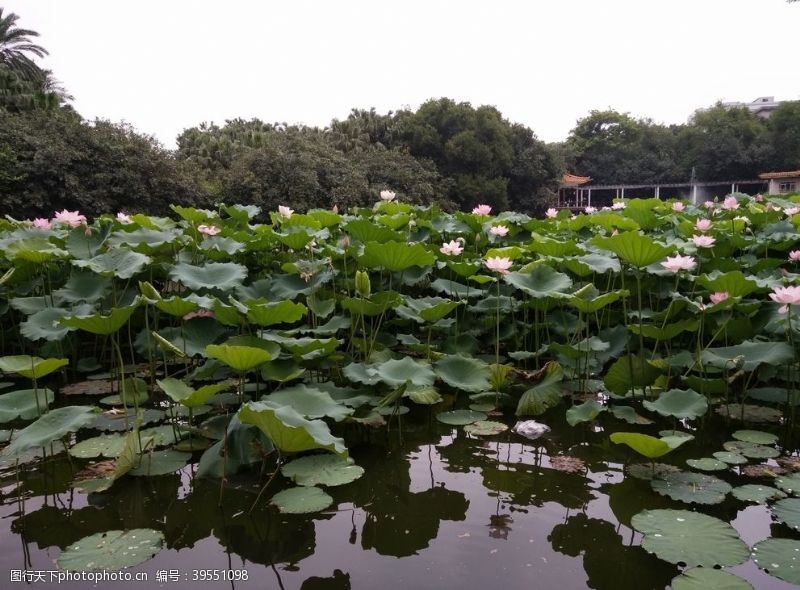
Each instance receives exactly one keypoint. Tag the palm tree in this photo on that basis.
(16, 48)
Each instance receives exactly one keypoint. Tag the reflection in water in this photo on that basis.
(338, 581)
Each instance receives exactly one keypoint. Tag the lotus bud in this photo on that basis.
(363, 286)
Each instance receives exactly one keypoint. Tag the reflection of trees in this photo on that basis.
(399, 522)
(338, 581)
(52, 526)
(607, 561)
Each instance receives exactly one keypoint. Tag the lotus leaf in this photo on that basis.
(789, 483)
(545, 394)
(779, 558)
(426, 309)
(630, 372)
(756, 493)
(396, 256)
(704, 578)
(152, 463)
(691, 488)
(121, 263)
(23, 403)
(111, 550)
(758, 437)
(224, 276)
(628, 414)
(750, 450)
(269, 314)
(301, 500)
(485, 428)
(707, 464)
(32, 367)
(181, 393)
(309, 402)
(679, 403)
(465, 373)
(105, 445)
(54, 425)
(748, 355)
(634, 248)
(730, 458)
(691, 538)
(460, 417)
(239, 358)
(542, 281)
(325, 470)
(644, 444)
(101, 324)
(585, 412)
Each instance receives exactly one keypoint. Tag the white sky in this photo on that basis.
(170, 64)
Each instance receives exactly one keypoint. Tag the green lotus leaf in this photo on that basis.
(758, 437)
(555, 248)
(789, 483)
(193, 336)
(545, 394)
(282, 370)
(730, 458)
(589, 300)
(776, 395)
(465, 373)
(406, 370)
(679, 403)
(22, 403)
(239, 358)
(757, 493)
(289, 431)
(748, 355)
(705, 578)
(460, 417)
(592, 263)
(325, 470)
(634, 248)
(321, 308)
(425, 395)
(304, 348)
(644, 444)
(111, 550)
(309, 402)
(665, 332)
(120, 263)
(301, 500)
(750, 450)
(426, 309)
(396, 256)
(45, 325)
(100, 324)
(463, 269)
(143, 238)
(153, 463)
(135, 392)
(365, 231)
(54, 425)
(224, 276)
(691, 488)
(269, 314)
(707, 464)
(377, 304)
(36, 250)
(779, 558)
(485, 428)
(32, 367)
(734, 283)
(649, 471)
(454, 289)
(542, 281)
(108, 422)
(585, 412)
(628, 414)
(104, 445)
(83, 287)
(181, 393)
(691, 538)
(177, 306)
(749, 412)
(630, 372)
(295, 238)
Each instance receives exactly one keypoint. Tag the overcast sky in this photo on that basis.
(169, 64)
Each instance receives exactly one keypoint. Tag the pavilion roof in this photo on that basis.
(568, 179)
(775, 175)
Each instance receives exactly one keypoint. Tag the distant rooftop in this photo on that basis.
(777, 175)
(568, 179)
(761, 107)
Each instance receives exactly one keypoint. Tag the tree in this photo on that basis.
(784, 132)
(16, 48)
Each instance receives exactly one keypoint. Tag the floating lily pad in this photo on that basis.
(707, 464)
(23, 403)
(326, 470)
(649, 471)
(788, 512)
(160, 462)
(163, 435)
(789, 483)
(704, 578)
(105, 445)
(114, 420)
(485, 428)
(301, 500)
(779, 558)
(484, 407)
(758, 437)
(111, 550)
(755, 493)
(749, 413)
(460, 417)
(750, 450)
(691, 538)
(730, 458)
(692, 488)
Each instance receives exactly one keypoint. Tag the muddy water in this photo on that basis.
(436, 509)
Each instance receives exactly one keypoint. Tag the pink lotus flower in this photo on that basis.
(786, 296)
(208, 230)
(703, 241)
(719, 297)
(498, 264)
(730, 203)
(482, 210)
(794, 255)
(41, 223)
(758, 198)
(589, 210)
(200, 313)
(499, 230)
(123, 218)
(703, 225)
(70, 218)
(452, 248)
(709, 204)
(677, 263)
(791, 211)
(284, 211)
(678, 207)
(551, 213)
(617, 205)
(388, 196)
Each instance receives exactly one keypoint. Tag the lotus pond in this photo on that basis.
(400, 396)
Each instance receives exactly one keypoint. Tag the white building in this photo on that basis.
(782, 183)
(761, 107)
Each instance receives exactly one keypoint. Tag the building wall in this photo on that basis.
(775, 183)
